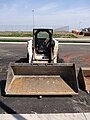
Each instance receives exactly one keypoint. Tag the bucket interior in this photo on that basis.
(26, 79)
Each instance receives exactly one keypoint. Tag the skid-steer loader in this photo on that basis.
(42, 75)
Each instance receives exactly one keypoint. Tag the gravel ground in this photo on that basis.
(48, 104)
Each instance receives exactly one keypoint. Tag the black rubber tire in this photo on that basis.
(60, 60)
(27, 57)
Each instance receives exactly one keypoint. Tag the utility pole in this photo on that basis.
(80, 25)
(33, 18)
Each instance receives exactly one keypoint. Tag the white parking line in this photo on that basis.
(63, 116)
(59, 43)
(13, 42)
(74, 43)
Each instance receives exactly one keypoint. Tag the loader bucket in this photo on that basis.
(84, 79)
(41, 79)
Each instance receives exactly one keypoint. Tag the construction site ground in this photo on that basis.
(79, 54)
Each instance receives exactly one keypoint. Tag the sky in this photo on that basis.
(72, 13)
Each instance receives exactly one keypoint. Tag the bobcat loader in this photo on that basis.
(42, 75)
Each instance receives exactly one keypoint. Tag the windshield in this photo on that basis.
(43, 35)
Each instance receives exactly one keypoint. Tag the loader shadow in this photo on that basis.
(22, 60)
(71, 82)
(9, 110)
(2, 87)
(38, 96)
(5, 107)
(25, 60)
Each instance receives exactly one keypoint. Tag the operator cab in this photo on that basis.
(42, 40)
(43, 44)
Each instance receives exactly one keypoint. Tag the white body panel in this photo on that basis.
(33, 55)
(29, 50)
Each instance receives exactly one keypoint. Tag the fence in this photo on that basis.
(29, 28)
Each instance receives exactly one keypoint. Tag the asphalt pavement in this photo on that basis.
(48, 104)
